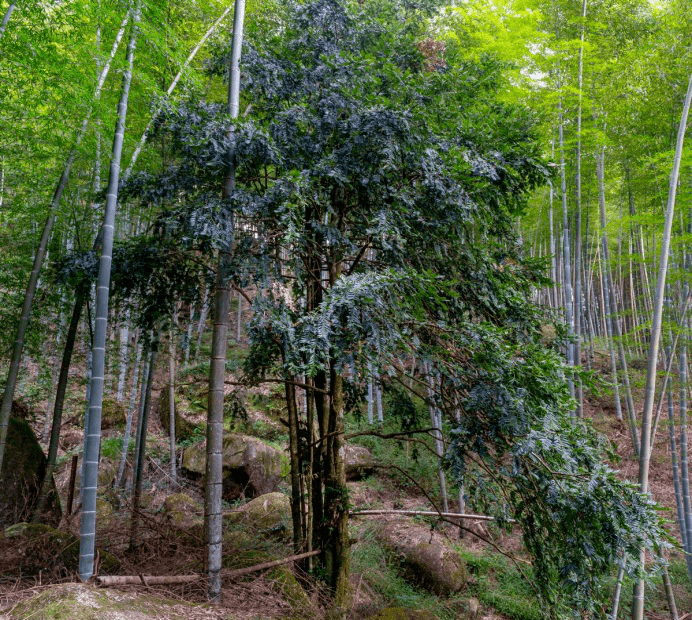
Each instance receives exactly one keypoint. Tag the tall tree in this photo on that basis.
(656, 326)
(93, 432)
(213, 516)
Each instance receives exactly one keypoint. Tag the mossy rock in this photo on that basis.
(244, 547)
(290, 589)
(77, 601)
(358, 462)
(43, 548)
(113, 414)
(22, 473)
(424, 558)
(104, 512)
(183, 512)
(108, 470)
(251, 467)
(184, 429)
(401, 613)
(267, 514)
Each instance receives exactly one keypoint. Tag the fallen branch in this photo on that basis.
(424, 513)
(147, 580)
(239, 572)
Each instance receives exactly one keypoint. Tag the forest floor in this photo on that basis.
(494, 589)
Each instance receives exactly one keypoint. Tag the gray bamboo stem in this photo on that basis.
(645, 449)
(146, 371)
(18, 348)
(578, 322)
(213, 515)
(93, 432)
(171, 401)
(124, 346)
(369, 396)
(130, 414)
(567, 260)
(6, 18)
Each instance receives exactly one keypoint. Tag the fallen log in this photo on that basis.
(424, 513)
(160, 580)
(146, 580)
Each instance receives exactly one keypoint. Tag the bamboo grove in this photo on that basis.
(464, 205)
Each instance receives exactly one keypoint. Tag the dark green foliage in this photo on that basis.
(151, 274)
(522, 456)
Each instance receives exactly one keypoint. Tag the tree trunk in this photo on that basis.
(645, 449)
(146, 371)
(141, 450)
(60, 400)
(600, 165)
(578, 324)
(294, 449)
(337, 543)
(567, 260)
(436, 423)
(124, 346)
(6, 18)
(93, 432)
(171, 400)
(204, 310)
(130, 413)
(217, 368)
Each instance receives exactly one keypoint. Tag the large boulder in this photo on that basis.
(250, 466)
(108, 470)
(183, 512)
(72, 601)
(358, 462)
(43, 548)
(290, 590)
(424, 557)
(268, 514)
(113, 414)
(184, 428)
(22, 473)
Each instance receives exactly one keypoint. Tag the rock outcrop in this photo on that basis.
(358, 462)
(251, 467)
(424, 557)
(22, 473)
(184, 428)
(183, 512)
(113, 414)
(267, 515)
